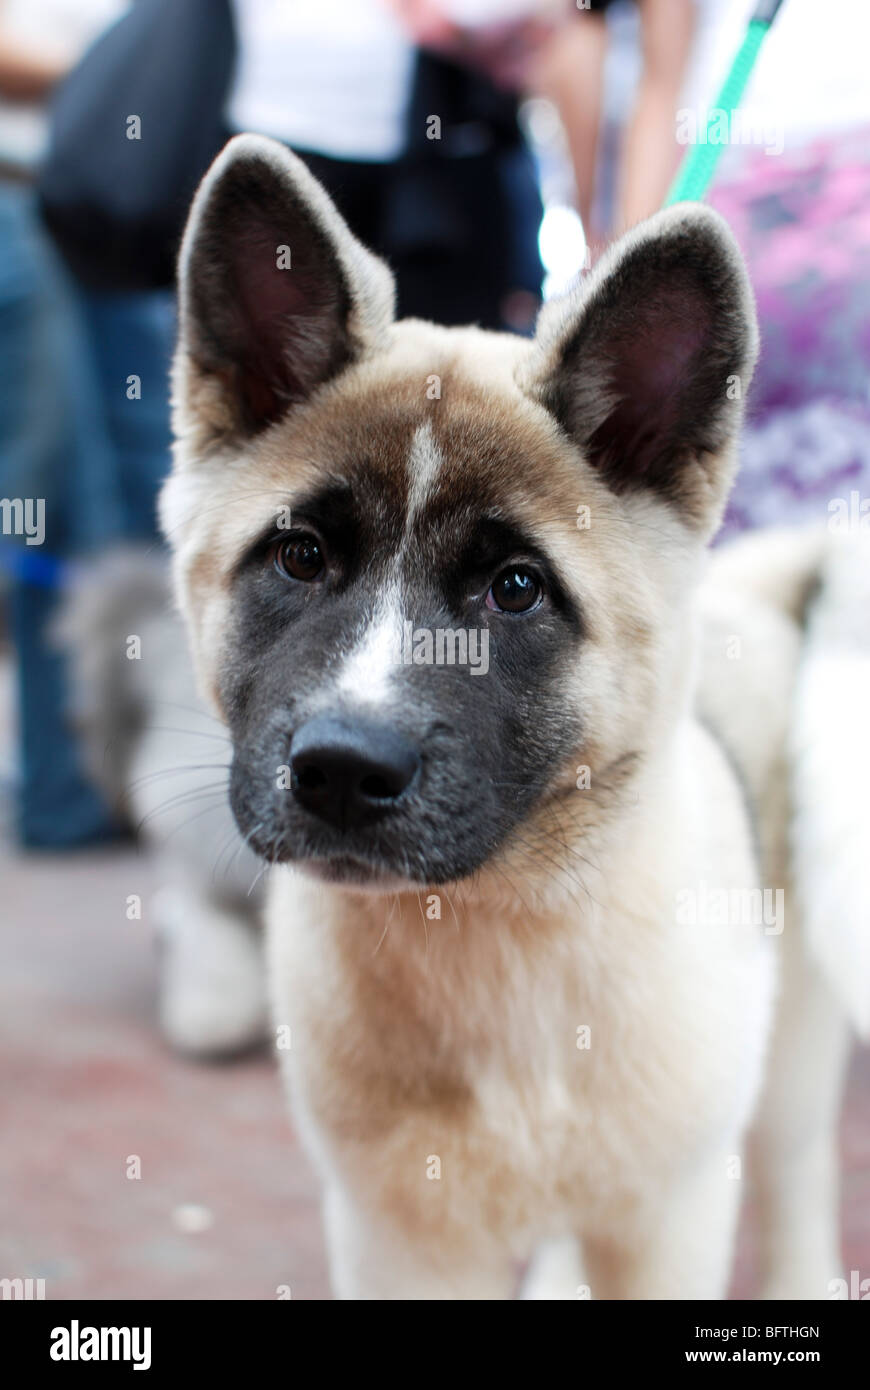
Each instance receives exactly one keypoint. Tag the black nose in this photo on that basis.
(349, 773)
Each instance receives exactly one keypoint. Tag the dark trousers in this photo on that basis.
(460, 233)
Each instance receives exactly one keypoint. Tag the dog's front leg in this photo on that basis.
(370, 1257)
(795, 1146)
(679, 1249)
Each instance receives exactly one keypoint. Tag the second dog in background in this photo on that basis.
(162, 761)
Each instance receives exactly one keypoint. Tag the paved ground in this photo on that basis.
(85, 1083)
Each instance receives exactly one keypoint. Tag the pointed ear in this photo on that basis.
(275, 294)
(646, 365)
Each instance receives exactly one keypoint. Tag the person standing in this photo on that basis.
(54, 447)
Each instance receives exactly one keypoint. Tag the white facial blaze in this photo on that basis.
(367, 671)
(424, 465)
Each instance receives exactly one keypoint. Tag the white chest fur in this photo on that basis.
(533, 1059)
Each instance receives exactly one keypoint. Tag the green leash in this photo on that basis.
(696, 171)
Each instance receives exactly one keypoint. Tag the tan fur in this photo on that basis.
(451, 1044)
(412, 1047)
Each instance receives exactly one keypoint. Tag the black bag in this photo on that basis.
(116, 206)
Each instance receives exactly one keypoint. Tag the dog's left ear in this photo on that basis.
(646, 365)
(276, 295)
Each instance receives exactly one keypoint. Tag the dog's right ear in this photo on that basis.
(646, 362)
(276, 295)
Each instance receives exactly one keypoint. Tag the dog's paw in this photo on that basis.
(555, 1273)
(212, 977)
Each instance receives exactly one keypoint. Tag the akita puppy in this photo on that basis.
(524, 920)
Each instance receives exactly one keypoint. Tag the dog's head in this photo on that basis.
(438, 580)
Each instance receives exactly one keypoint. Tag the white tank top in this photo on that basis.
(57, 29)
(329, 76)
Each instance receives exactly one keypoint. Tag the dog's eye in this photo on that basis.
(300, 557)
(515, 590)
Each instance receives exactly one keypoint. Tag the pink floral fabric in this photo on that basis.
(803, 221)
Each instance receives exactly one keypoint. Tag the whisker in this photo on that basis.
(177, 771)
(204, 812)
(191, 709)
(182, 799)
(263, 869)
(188, 733)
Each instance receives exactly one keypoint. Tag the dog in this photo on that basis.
(535, 946)
(160, 760)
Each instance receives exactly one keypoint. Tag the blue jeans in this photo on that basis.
(68, 435)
